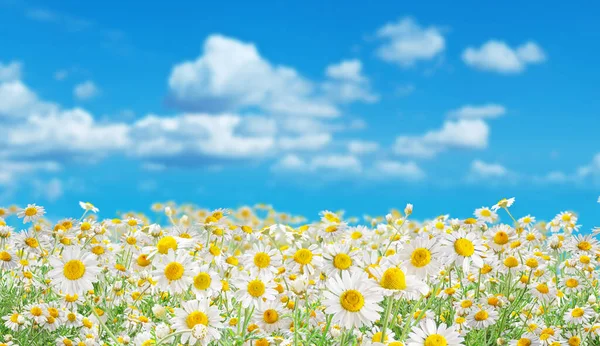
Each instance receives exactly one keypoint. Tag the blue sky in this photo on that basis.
(303, 105)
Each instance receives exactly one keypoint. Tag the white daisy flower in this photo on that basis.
(462, 249)
(578, 315)
(175, 272)
(31, 213)
(270, 317)
(195, 312)
(353, 299)
(75, 272)
(427, 333)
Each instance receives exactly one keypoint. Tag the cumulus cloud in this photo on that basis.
(86, 90)
(10, 72)
(347, 83)
(341, 163)
(305, 142)
(488, 170)
(12, 170)
(360, 147)
(395, 169)
(497, 56)
(406, 42)
(487, 111)
(232, 75)
(460, 134)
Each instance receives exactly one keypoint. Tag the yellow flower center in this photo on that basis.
(393, 279)
(195, 318)
(420, 257)
(5, 256)
(74, 270)
(352, 300)
(464, 247)
(165, 244)
(584, 245)
(577, 312)
(342, 261)
(542, 288)
(572, 283)
(270, 316)
(524, 342)
(466, 304)
(532, 263)
(30, 211)
(574, 341)
(131, 240)
(53, 312)
(303, 256)
(481, 315)
(98, 250)
(143, 261)
(32, 242)
(36, 311)
(174, 271)
(256, 288)
(501, 238)
(435, 340)
(486, 213)
(511, 262)
(262, 260)
(202, 281)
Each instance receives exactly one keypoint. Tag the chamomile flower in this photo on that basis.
(427, 333)
(263, 260)
(193, 313)
(352, 299)
(174, 273)
(338, 258)
(270, 316)
(421, 257)
(31, 213)
(253, 289)
(206, 282)
(462, 249)
(74, 272)
(578, 315)
(482, 317)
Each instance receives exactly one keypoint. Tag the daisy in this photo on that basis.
(206, 282)
(503, 203)
(353, 299)
(305, 259)
(485, 214)
(31, 213)
(543, 291)
(482, 317)
(263, 260)
(175, 272)
(578, 315)
(15, 321)
(8, 260)
(338, 258)
(87, 206)
(270, 317)
(75, 272)
(195, 312)
(427, 333)
(421, 257)
(252, 290)
(392, 278)
(529, 339)
(31, 242)
(499, 236)
(462, 249)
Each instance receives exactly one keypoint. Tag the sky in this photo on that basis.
(303, 105)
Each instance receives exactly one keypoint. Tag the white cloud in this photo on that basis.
(360, 147)
(488, 170)
(346, 70)
(13, 170)
(86, 90)
(499, 57)
(61, 75)
(591, 170)
(406, 42)
(289, 162)
(194, 138)
(341, 163)
(17, 101)
(395, 169)
(50, 190)
(305, 142)
(10, 72)
(487, 111)
(346, 163)
(460, 134)
(231, 75)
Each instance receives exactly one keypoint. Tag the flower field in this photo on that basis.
(254, 276)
